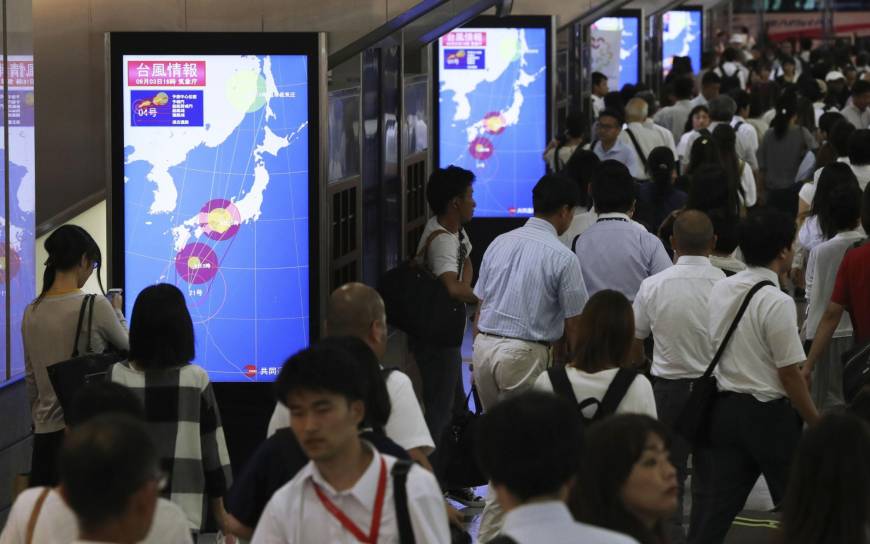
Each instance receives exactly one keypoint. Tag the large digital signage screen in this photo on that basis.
(615, 48)
(215, 184)
(681, 37)
(493, 108)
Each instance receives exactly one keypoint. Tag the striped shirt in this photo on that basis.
(529, 284)
(183, 417)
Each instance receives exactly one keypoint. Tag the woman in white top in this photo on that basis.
(48, 330)
(607, 326)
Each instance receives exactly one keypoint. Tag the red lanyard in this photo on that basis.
(346, 522)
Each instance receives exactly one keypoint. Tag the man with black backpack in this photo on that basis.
(348, 491)
(531, 448)
(754, 425)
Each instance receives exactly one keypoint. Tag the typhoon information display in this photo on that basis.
(492, 109)
(681, 37)
(615, 44)
(216, 200)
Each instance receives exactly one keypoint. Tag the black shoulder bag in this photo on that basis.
(67, 377)
(693, 421)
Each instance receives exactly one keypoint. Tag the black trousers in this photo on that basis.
(748, 438)
(671, 396)
(43, 462)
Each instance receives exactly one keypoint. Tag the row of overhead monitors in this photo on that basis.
(215, 161)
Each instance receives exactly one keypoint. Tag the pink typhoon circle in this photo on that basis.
(481, 148)
(215, 204)
(208, 263)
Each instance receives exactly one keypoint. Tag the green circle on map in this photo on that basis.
(510, 49)
(246, 91)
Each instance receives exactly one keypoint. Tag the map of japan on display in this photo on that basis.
(493, 113)
(216, 201)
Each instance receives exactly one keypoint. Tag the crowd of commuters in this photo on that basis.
(681, 233)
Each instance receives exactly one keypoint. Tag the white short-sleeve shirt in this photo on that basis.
(295, 514)
(765, 340)
(638, 399)
(443, 253)
(672, 306)
(57, 524)
(406, 425)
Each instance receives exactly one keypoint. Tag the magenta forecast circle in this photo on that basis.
(196, 263)
(219, 219)
(481, 148)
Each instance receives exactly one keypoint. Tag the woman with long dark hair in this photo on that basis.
(626, 482)
(820, 225)
(49, 329)
(741, 181)
(781, 153)
(828, 496)
(180, 404)
(658, 198)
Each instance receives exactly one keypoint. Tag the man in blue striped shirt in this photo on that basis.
(532, 292)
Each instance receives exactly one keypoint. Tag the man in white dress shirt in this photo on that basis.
(674, 117)
(857, 110)
(710, 85)
(754, 427)
(345, 494)
(110, 477)
(608, 145)
(531, 447)
(642, 138)
(672, 306)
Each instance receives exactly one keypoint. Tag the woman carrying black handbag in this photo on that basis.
(48, 330)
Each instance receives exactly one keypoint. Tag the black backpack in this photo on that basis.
(607, 405)
(729, 83)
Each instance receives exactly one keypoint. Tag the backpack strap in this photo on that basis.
(638, 149)
(34, 515)
(75, 352)
(615, 392)
(737, 126)
(561, 384)
(574, 244)
(399, 473)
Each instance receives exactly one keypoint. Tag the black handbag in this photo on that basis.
(856, 370)
(461, 468)
(67, 377)
(418, 303)
(693, 421)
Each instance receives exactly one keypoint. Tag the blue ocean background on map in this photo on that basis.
(256, 309)
(506, 179)
(674, 47)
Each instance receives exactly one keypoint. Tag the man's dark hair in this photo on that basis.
(445, 184)
(575, 124)
(742, 99)
(722, 108)
(322, 368)
(613, 188)
(161, 331)
(729, 55)
(580, 168)
(693, 232)
(684, 87)
(103, 463)
(613, 101)
(613, 114)
(531, 444)
(597, 78)
(860, 87)
(839, 137)
(859, 147)
(98, 398)
(764, 234)
(827, 121)
(711, 78)
(377, 399)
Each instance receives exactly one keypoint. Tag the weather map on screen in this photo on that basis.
(615, 42)
(492, 105)
(216, 200)
(681, 37)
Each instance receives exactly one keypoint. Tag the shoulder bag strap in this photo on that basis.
(574, 244)
(740, 312)
(615, 392)
(561, 384)
(638, 149)
(75, 352)
(400, 496)
(90, 301)
(34, 516)
(424, 251)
